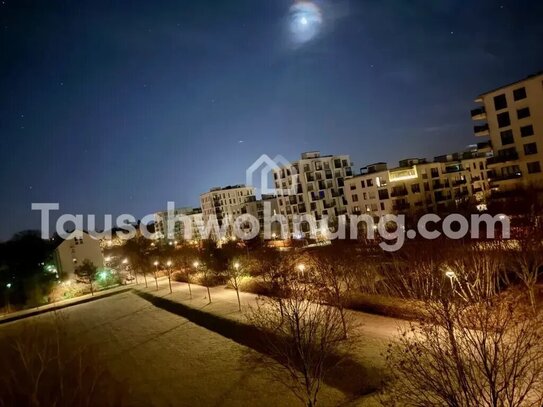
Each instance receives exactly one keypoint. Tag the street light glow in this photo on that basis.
(156, 263)
(196, 264)
(236, 265)
(169, 263)
(125, 261)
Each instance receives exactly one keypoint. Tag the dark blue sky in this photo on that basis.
(119, 106)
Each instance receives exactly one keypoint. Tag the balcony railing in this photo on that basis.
(478, 114)
(481, 130)
(401, 206)
(398, 192)
(502, 158)
(505, 177)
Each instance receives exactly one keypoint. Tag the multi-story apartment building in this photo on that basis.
(513, 119)
(315, 184)
(227, 201)
(256, 209)
(417, 186)
(161, 223)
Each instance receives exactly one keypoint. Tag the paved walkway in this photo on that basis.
(224, 303)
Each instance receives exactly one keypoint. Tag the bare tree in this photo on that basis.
(484, 354)
(86, 272)
(334, 278)
(302, 335)
(528, 258)
(237, 269)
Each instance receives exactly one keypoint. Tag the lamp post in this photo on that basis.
(8, 286)
(452, 275)
(169, 264)
(301, 269)
(156, 272)
(236, 281)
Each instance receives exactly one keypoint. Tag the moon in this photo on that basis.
(305, 21)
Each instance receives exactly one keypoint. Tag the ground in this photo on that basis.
(162, 359)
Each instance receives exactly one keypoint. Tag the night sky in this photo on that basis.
(118, 106)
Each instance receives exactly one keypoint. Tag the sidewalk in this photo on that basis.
(225, 304)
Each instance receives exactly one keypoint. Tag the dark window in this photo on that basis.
(526, 131)
(362, 184)
(435, 172)
(415, 188)
(383, 194)
(382, 206)
(503, 119)
(369, 182)
(355, 198)
(519, 94)
(353, 187)
(500, 102)
(522, 113)
(507, 137)
(534, 167)
(530, 148)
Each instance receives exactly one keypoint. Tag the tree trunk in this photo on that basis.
(239, 301)
(208, 294)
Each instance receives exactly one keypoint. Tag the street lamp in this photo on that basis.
(452, 275)
(301, 269)
(195, 264)
(8, 286)
(236, 265)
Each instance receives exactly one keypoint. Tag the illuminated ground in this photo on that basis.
(163, 359)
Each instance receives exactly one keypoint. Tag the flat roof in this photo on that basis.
(534, 75)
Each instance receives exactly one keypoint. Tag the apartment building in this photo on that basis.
(512, 116)
(315, 184)
(161, 223)
(71, 253)
(417, 186)
(226, 201)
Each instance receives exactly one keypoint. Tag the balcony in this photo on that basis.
(481, 131)
(512, 156)
(506, 177)
(396, 192)
(478, 114)
(458, 182)
(401, 206)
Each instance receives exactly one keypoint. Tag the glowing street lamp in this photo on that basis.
(236, 266)
(196, 264)
(301, 269)
(452, 275)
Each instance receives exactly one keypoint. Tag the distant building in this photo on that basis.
(71, 253)
(417, 186)
(192, 215)
(512, 116)
(226, 201)
(256, 209)
(317, 186)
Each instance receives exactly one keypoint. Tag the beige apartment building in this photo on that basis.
(226, 201)
(512, 116)
(71, 253)
(315, 184)
(417, 186)
(161, 223)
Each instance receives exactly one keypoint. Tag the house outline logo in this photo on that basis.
(268, 164)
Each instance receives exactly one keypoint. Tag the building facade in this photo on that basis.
(315, 184)
(512, 116)
(71, 253)
(416, 186)
(192, 215)
(228, 201)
